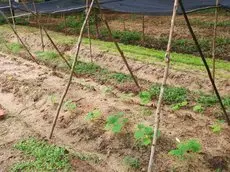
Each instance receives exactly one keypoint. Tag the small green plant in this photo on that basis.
(132, 162)
(44, 157)
(207, 100)
(95, 114)
(69, 105)
(120, 77)
(145, 97)
(184, 148)
(14, 47)
(145, 111)
(116, 122)
(178, 106)
(53, 99)
(216, 128)
(46, 55)
(171, 95)
(144, 134)
(198, 109)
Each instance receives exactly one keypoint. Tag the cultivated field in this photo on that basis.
(105, 124)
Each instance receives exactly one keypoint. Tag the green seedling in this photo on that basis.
(132, 162)
(42, 157)
(198, 109)
(184, 148)
(116, 122)
(53, 99)
(178, 106)
(145, 97)
(46, 55)
(15, 48)
(69, 105)
(144, 135)
(94, 115)
(120, 77)
(216, 128)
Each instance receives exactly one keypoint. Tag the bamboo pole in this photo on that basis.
(96, 25)
(166, 71)
(143, 28)
(88, 31)
(65, 23)
(117, 45)
(214, 42)
(204, 61)
(12, 14)
(72, 70)
(19, 38)
(39, 25)
(50, 39)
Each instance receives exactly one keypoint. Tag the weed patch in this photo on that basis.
(44, 157)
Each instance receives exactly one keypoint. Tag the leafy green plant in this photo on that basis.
(14, 47)
(116, 122)
(44, 157)
(171, 94)
(185, 148)
(95, 114)
(69, 105)
(132, 162)
(207, 100)
(144, 134)
(198, 109)
(46, 55)
(120, 77)
(178, 106)
(145, 97)
(216, 127)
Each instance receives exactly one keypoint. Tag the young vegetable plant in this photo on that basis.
(53, 99)
(116, 122)
(198, 109)
(178, 106)
(132, 162)
(69, 105)
(144, 135)
(94, 115)
(145, 97)
(216, 128)
(185, 148)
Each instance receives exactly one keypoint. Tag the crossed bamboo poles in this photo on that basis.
(88, 12)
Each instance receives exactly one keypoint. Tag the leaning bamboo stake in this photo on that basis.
(50, 39)
(12, 14)
(214, 42)
(72, 70)
(56, 48)
(143, 28)
(158, 110)
(204, 61)
(117, 46)
(18, 37)
(88, 30)
(39, 25)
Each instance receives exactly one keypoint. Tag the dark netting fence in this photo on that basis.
(147, 7)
